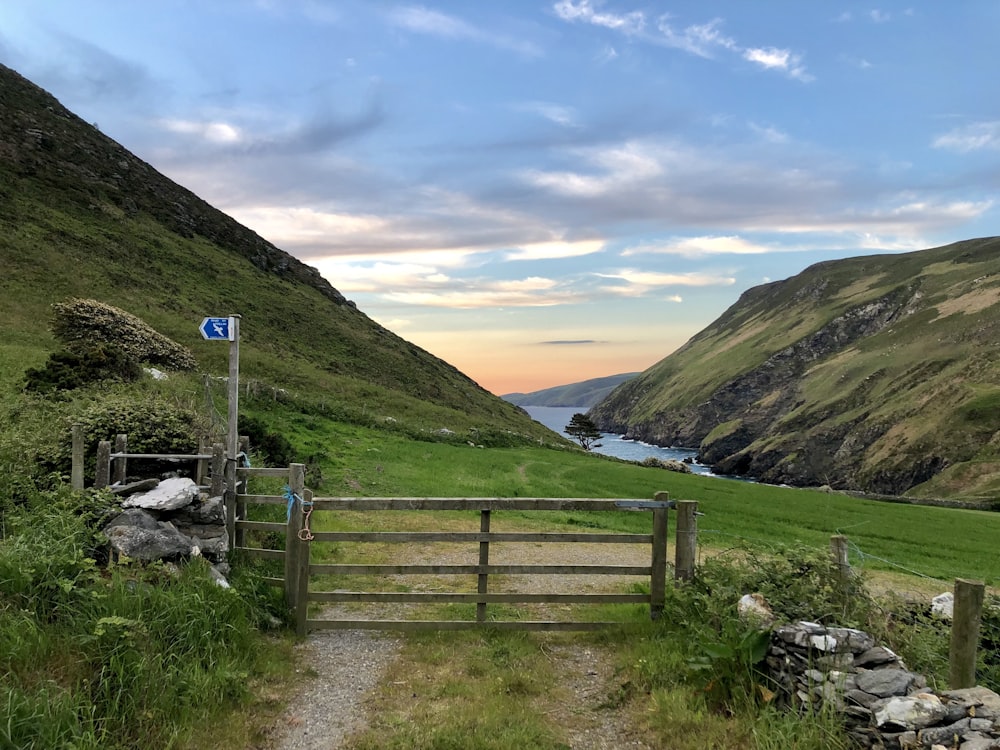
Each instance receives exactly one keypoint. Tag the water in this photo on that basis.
(557, 417)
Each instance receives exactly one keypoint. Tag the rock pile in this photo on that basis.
(170, 520)
(884, 704)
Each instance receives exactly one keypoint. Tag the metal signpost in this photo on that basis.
(228, 329)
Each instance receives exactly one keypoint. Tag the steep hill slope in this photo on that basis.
(875, 373)
(81, 216)
(583, 394)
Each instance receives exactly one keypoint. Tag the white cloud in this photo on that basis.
(632, 22)
(632, 162)
(975, 137)
(555, 249)
(879, 16)
(698, 39)
(637, 282)
(769, 133)
(214, 132)
(696, 247)
(772, 58)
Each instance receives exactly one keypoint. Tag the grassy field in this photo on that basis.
(939, 543)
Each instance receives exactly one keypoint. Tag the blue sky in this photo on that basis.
(543, 191)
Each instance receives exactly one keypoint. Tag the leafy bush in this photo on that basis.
(82, 324)
(274, 446)
(67, 370)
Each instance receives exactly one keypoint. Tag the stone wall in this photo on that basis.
(884, 705)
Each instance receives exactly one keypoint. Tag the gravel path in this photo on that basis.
(346, 666)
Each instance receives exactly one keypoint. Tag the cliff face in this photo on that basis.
(875, 374)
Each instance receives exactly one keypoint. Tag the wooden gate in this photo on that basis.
(299, 568)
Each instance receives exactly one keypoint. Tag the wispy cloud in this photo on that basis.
(557, 113)
(700, 39)
(696, 247)
(568, 342)
(631, 22)
(978, 136)
(633, 282)
(421, 20)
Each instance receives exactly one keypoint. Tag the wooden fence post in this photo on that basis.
(121, 464)
(218, 470)
(201, 472)
(965, 621)
(241, 487)
(838, 550)
(76, 474)
(102, 473)
(658, 565)
(687, 540)
(302, 580)
(484, 559)
(296, 482)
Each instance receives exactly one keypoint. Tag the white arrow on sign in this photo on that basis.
(217, 329)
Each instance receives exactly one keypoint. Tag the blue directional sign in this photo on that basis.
(217, 329)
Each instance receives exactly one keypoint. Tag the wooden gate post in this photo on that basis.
(201, 472)
(121, 463)
(102, 473)
(966, 617)
(241, 488)
(302, 580)
(484, 560)
(293, 545)
(687, 540)
(218, 470)
(76, 474)
(658, 566)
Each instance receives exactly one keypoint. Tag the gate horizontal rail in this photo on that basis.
(299, 568)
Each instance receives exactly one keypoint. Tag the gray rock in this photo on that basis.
(875, 655)
(210, 511)
(945, 735)
(985, 702)
(169, 494)
(162, 543)
(860, 697)
(985, 743)
(857, 641)
(134, 517)
(909, 712)
(885, 682)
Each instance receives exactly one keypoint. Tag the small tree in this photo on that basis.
(583, 429)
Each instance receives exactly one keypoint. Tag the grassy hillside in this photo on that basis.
(877, 373)
(82, 217)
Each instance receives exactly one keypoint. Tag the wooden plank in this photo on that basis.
(349, 569)
(302, 577)
(120, 469)
(415, 625)
(76, 475)
(102, 471)
(270, 581)
(481, 503)
(474, 536)
(658, 575)
(264, 499)
(686, 547)
(411, 597)
(484, 564)
(250, 471)
(165, 456)
(266, 554)
(261, 526)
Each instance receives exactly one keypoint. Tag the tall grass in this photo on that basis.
(117, 657)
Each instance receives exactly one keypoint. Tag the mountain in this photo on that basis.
(80, 216)
(584, 394)
(879, 374)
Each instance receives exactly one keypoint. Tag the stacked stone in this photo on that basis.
(884, 705)
(170, 521)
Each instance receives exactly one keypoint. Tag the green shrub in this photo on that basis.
(67, 370)
(85, 323)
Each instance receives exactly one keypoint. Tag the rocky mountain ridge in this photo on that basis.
(874, 374)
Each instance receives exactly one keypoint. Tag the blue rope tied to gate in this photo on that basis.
(305, 534)
(291, 497)
(246, 459)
